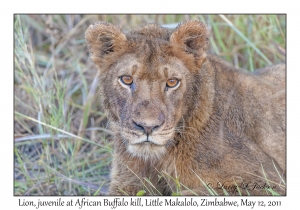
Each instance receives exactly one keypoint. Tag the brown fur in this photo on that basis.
(220, 125)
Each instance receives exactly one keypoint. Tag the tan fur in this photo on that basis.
(219, 124)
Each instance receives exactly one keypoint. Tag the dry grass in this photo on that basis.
(61, 140)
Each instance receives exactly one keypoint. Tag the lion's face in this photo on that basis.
(144, 79)
(147, 101)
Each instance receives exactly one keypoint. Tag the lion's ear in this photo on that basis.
(190, 41)
(105, 42)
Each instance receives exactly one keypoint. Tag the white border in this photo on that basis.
(154, 6)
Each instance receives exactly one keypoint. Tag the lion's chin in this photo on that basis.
(147, 150)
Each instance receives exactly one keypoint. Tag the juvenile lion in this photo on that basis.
(179, 112)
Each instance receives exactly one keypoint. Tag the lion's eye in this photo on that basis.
(173, 82)
(127, 80)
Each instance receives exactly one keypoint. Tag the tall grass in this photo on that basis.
(62, 143)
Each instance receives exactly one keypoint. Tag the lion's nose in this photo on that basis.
(147, 129)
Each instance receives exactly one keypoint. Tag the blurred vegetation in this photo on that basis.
(61, 139)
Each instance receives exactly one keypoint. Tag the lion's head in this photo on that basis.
(148, 80)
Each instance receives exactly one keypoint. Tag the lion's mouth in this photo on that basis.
(148, 143)
(148, 146)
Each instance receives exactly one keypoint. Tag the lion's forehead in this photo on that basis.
(149, 53)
